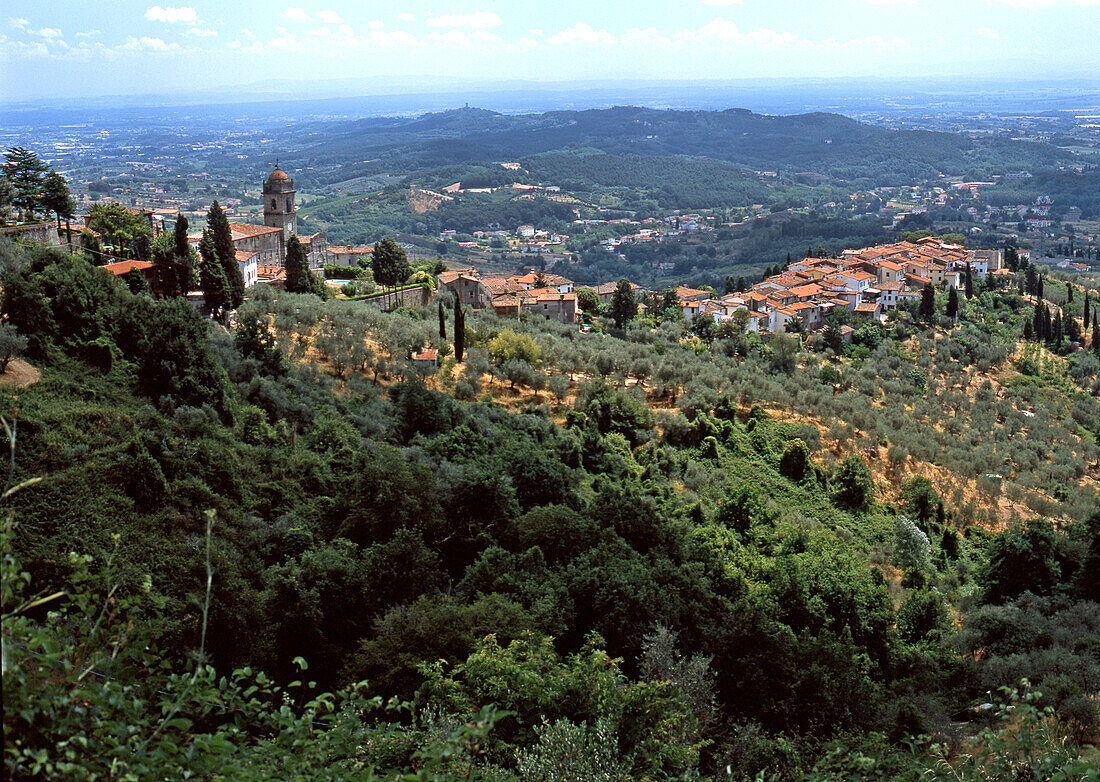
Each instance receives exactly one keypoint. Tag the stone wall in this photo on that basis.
(410, 297)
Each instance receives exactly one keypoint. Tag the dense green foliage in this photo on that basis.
(647, 596)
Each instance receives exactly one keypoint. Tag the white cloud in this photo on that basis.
(200, 32)
(329, 17)
(478, 19)
(890, 2)
(405, 16)
(988, 32)
(295, 14)
(19, 23)
(26, 48)
(377, 24)
(89, 34)
(182, 15)
(465, 40)
(147, 44)
(580, 33)
(248, 33)
(49, 33)
(396, 39)
(721, 2)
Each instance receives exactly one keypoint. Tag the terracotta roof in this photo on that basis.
(499, 285)
(684, 292)
(428, 354)
(121, 267)
(806, 290)
(278, 175)
(241, 230)
(866, 307)
(531, 277)
(270, 273)
(550, 294)
(243, 256)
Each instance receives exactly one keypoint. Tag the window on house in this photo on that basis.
(273, 206)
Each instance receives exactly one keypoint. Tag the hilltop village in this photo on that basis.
(799, 296)
(870, 281)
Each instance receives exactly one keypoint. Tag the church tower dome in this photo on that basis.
(279, 209)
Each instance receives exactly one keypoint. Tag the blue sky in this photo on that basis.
(93, 47)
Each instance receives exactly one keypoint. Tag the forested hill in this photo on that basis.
(828, 144)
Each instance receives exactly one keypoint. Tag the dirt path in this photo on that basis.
(20, 374)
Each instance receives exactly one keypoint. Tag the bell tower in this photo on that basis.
(279, 210)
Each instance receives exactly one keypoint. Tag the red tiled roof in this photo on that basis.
(121, 267)
(241, 230)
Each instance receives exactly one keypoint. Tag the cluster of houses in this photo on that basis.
(870, 281)
(549, 295)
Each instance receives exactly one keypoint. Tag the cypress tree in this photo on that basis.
(215, 287)
(442, 323)
(183, 263)
(226, 254)
(927, 303)
(1039, 291)
(182, 246)
(1069, 293)
(953, 304)
(969, 282)
(1085, 309)
(1070, 327)
(299, 279)
(460, 331)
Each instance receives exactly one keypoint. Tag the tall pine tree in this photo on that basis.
(175, 263)
(215, 287)
(226, 253)
(25, 171)
(927, 309)
(299, 279)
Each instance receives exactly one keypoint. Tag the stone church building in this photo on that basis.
(264, 246)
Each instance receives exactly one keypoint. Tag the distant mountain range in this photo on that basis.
(827, 144)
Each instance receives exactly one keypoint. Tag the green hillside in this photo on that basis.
(828, 144)
(630, 570)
